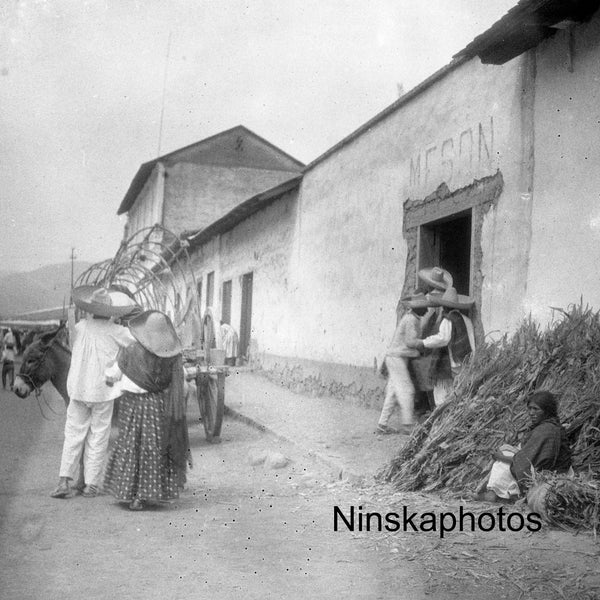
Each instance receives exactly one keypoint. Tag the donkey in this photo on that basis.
(46, 359)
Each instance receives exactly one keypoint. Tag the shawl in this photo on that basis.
(145, 369)
(459, 342)
(156, 374)
(545, 448)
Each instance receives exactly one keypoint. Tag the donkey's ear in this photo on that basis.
(46, 338)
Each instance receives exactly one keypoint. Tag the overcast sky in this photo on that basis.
(81, 90)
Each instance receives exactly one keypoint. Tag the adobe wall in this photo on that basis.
(198, 195)
(565, 251)
(351, 253)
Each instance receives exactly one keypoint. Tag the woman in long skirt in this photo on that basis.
(149, 460)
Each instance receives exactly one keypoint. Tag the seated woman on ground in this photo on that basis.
(545, 448)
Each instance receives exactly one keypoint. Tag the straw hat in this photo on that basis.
(451, 299)
(416, 301)
(102, 302)
(154, 330)
(436, 277)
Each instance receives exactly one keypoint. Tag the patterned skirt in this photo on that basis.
(138, 467)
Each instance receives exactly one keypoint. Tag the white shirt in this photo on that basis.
(443, 336)
(96, 344)
(120, 382)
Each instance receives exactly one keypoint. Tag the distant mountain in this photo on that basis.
(46, 287)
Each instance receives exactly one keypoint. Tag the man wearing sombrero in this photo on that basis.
(87, 428)
(452, 343)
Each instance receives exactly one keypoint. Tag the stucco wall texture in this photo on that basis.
(350, 252)
(565, 250)
(261, 244)
(198, 195)
(329, 263)
(147, 209)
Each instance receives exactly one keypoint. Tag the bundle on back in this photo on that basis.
(452, 449)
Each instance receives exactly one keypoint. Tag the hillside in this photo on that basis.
(46, 287)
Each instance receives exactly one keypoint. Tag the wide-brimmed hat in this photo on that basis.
(154, 330)
(416, 301)
(451, 299)
(102, 302)
(436, 277)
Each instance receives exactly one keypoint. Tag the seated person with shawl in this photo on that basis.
(148, 463)
(545, 448)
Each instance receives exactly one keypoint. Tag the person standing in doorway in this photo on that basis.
(453, 342)
(229, 339)
(87, 428)
(400, 389)
(433, 280)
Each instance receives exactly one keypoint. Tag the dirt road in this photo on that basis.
(247, 531)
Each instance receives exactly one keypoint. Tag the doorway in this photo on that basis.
(226, 303)
(246, 317)
(446, 243)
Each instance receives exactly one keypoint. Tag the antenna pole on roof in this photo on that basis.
(162, 108)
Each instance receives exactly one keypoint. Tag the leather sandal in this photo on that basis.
(62, 491)
(90, 491)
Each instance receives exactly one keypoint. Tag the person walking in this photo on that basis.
(150, 457)
(400, 389)
(87, 427)
(8, 359)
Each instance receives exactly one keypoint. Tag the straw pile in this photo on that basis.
(571, 503)
(452, 449)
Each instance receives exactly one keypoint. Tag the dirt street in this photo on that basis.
(251, 531)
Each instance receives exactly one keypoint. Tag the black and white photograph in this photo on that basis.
(299, 299)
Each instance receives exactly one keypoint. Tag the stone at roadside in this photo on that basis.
(257, 457)
(276, 460)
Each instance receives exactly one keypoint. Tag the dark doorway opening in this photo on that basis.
(210, 288)
(446, 243)
(246, 317)
(226, 303)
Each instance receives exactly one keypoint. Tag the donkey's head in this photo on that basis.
(36, 368)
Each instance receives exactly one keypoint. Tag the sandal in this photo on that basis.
(385, 429)
(89, 491)
(137, 504)
(62, 491)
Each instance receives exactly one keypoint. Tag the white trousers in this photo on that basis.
(87, 430)
(399, 390)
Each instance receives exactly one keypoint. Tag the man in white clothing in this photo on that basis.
(87, 428)
(400, 389)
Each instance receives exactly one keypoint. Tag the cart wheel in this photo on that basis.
(211, 401)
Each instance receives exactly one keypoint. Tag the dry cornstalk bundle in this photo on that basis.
(572, 503)
(452, 448)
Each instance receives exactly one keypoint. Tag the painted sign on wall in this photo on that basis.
(467, 155)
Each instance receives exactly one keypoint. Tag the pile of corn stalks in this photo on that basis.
(452, 449)
(571, 503)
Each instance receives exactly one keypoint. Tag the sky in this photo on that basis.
(83, 85)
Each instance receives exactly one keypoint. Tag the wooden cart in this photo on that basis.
(210, 389)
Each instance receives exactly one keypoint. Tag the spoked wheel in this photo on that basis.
(211, 402)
